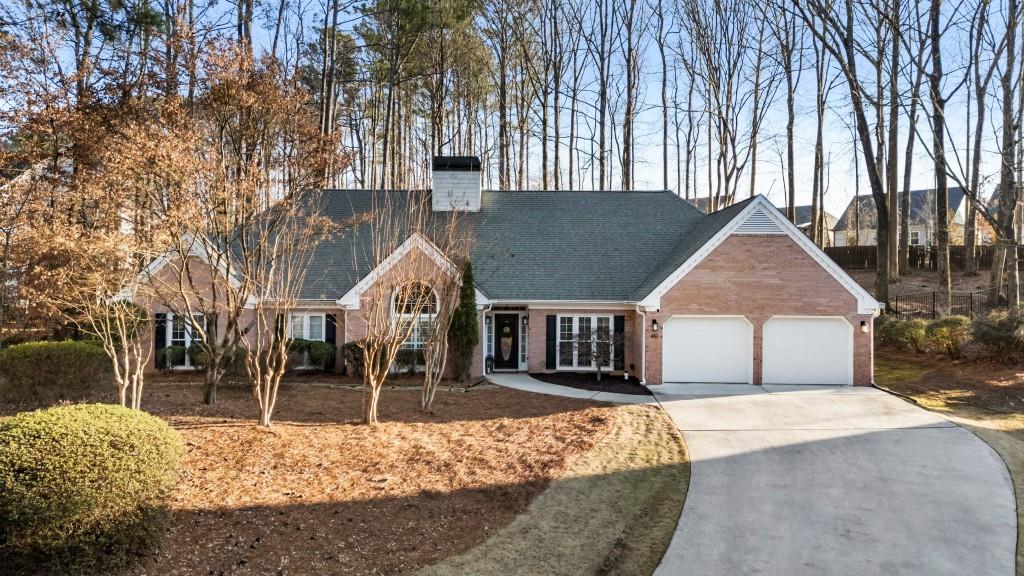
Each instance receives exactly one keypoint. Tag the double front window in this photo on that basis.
(585, 342)
(306, 327)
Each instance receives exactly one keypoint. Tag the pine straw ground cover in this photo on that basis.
(987, 399)
(320, 494)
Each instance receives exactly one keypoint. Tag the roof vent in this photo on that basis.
(456, 184)
(759, 222)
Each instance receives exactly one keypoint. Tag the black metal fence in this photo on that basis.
(925, 304)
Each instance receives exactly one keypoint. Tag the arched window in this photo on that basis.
(415, 303)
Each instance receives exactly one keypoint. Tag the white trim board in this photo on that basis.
(866, 303)
(351, 299)
(195, 249)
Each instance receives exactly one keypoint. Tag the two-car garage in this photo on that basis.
(794, 350)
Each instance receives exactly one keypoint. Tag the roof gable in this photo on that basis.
(740, 220)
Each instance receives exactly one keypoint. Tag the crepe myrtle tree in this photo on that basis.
(97, 304)
(416, 252)
(287, 236)
(252, 146)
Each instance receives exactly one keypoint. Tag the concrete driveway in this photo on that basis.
(813, 480)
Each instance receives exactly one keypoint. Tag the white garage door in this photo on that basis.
(808, 351)
(707, 349)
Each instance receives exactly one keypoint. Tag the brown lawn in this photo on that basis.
(320, 494)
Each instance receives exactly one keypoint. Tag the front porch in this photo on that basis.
(538, 339)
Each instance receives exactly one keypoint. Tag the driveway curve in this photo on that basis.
(811, 480)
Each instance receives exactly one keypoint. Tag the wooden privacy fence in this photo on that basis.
(923, 304)
(921, 257)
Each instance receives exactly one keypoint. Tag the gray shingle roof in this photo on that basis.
(541, 245)
(922, 206)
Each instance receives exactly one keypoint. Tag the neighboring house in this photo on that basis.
(858, 224)
(740, 295)
(803, 220)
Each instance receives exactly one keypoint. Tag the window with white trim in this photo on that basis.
(915, 237)
(583, 340)
(415, 304)
(181, 332)
(306, 326)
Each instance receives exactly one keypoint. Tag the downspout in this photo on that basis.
(643, 344)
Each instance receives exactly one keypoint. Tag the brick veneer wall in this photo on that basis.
(759, 277)
(537, 338)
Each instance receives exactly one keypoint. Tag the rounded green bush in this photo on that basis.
(909, 335)
(949, 334)
(883, 328)
(47, 372)
(1002, 337)
(80, 483)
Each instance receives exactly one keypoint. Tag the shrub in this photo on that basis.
(407, 359)
(311, 353)
(909, 335)
(320, 353)
(47, 372)
(169, 357)
(949, 334)
(80, 485)
(235, 359)
(352, 355)
(464, 331)
(883, 328)
(1002, 337)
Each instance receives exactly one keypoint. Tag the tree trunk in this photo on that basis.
(939, 154)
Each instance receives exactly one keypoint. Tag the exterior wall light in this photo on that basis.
(864, 326)
(526, 320)
(654, 325)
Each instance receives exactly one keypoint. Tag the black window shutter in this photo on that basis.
(620, 342)
(552, 341)
(330, 336)
(159, 336)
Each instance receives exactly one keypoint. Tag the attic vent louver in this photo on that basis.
(759, 222)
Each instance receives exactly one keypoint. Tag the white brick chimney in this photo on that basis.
(456, 184)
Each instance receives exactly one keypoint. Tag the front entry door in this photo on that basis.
(506, 341)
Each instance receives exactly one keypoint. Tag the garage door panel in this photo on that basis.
(707, 349)
(808, 351)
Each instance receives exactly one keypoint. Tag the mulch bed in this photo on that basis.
(321, 494)
(588, 381)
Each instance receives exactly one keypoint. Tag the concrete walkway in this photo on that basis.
(794, 480)
(521, 381)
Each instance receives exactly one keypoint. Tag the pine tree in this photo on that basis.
(464, 334)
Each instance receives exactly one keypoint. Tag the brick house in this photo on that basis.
(739, 295)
